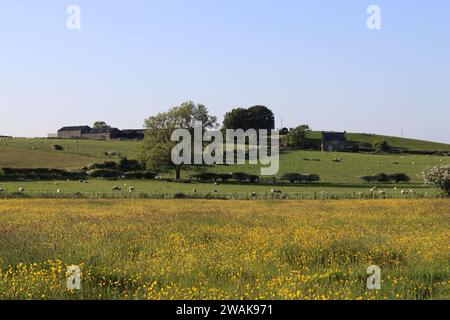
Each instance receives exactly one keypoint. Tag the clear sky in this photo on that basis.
(311, 62)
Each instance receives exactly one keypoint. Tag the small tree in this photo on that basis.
(440, 177)
(297, 137)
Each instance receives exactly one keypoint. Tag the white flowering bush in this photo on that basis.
(440, 177)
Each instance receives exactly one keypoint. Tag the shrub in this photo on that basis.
(300, 178)
(309, 178)
(399, 177)
(292, 177)
(225, 177)
(104, 173)
(42, 174)
(206, 176)
(368, 179)
(140, 175)
(126, 165)
(382, 177)
(440, 177)
(240, 176)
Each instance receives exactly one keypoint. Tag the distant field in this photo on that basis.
(87, 148)
(350, 167)
(224, 249)
(21, 158)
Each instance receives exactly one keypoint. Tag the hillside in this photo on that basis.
(396, 142)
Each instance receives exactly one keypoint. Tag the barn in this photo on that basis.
(86, 132)
(334, 141)
(73, 132)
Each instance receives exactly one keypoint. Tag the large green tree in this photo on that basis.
(157, 145)
(256, 117)
(261, 117)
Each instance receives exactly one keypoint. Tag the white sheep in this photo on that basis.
(253, 194)
(373, 189)
(276, 191)
(22, 189)
(131, 189)
(194, 190)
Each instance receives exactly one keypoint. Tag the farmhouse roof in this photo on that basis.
(103, 130)
(75, 128)
(133, 130)
(334, 136)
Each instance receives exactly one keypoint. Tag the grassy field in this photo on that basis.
(395, 142)
(103, 188)
(20, 153)
(151, 249)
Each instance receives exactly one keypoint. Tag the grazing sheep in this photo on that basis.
(276, 191)
(58, 191)
(22, 189)
(117, 189)
(253, 194)
(381, 192)
(373, 189)
(194, 190)
(411, 191)
(131, 189)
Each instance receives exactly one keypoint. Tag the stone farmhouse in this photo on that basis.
(86, 132)
(334, 141)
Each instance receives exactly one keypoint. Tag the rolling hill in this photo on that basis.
(33, 153)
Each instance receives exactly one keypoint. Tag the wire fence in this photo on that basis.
(223, 196)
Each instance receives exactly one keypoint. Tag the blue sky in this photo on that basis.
(311, 62)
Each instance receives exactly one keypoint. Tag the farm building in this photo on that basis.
(132, 134)
(73, 132)
(103, 134)
(86, 132)
(334, 141)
